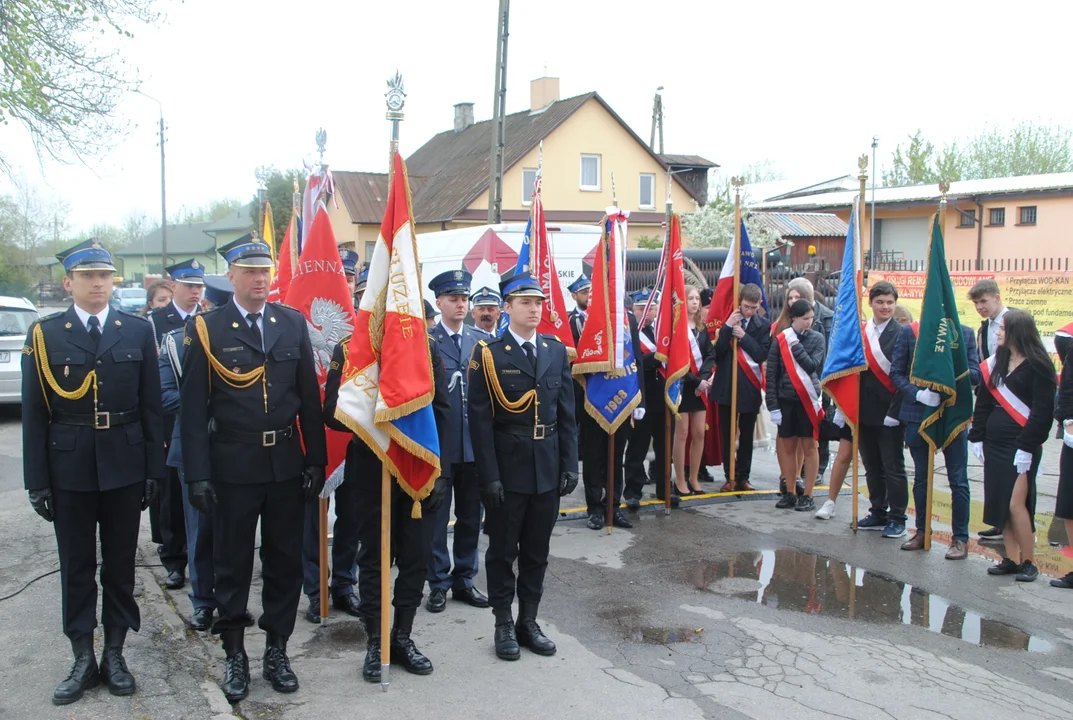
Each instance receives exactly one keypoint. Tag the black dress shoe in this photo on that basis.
(437, 600)
(114, 672)
(348, 603)
(403, 650)
(633, 504)
(201, 619)
(175, 580)
(470, 596)
(312, 613)
(277, 666)
(84, 673)
(506, 640)
(531, 636)
(620, 520)
(236, 685)
(595, 522)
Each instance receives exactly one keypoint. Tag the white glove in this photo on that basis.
(839, 419)
(1067, 436)
(978, 450)
(888, 421)
(790, 334)
(638, 413)
(929, 397)
(776, 417)
(1022, 461)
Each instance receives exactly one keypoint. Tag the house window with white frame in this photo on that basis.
(528, 183)
(648, 191)
(590, 172)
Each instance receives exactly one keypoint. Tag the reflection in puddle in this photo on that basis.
(663, 636)
(801, 582)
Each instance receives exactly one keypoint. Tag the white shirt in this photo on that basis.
(84, 316)
(449, 332)
(183, 314)
(992, 332)
(260, 321)
(521, 341)
(880, 327)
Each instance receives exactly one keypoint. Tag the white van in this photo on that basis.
(488, 251)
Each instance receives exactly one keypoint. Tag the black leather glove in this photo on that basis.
(202, 496)
(41, 502)
(149, 494)
(312, 482)
(492, 494)
(567, 483)
(435, 498)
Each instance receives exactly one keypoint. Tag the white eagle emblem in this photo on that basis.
(327, 326)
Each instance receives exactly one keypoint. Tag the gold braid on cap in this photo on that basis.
(44, 372)
(239, 381)
(527, 400)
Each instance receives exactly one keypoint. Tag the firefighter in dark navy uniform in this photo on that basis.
(521, 405)
(248, 375)
(580, 290)
(93, 456)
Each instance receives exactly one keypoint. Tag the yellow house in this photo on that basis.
(584, 143)
(1014, 223)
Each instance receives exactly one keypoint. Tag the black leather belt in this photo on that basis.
(97, 421)
(536, 432)
(266, 438)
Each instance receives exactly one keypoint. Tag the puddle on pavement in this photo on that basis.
(802, 582)
(663, 636)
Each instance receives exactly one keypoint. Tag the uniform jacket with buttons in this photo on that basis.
(459, 448)
(82, 458)
(523, 464)
(209, 404)
(165, 320)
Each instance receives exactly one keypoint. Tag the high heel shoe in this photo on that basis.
(681, 493)
(696, 491)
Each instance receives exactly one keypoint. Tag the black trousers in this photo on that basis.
(519, 529)
(279, 506)
(743, 463)
(411, 542)
(172, 523)
(344, 550)
(652, 429)
(116, 515)
(884, 467)
(594, 472)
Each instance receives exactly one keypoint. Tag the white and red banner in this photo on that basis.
(878, 363)
(802, 382)
(281, 281)
(600, 348)
(554, 321)
(1013, 405)
(392, 412)
(674, 341)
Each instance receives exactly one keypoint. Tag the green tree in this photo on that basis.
(60, 79)
(280, 192)
(914, 164)
(650, 242)
(209, 212)
(713, 226)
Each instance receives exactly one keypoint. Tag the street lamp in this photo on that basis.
(163, 196)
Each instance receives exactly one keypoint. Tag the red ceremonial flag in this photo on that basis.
(554, 320)
(672, 320)
(282, 280)
(319, 291)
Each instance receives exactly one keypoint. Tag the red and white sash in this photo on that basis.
(751, 368)
(878, 363)
(1066, 331)
(915, 325)
(647, 344)
(694, 351)
(1012, 404)
(806, 391)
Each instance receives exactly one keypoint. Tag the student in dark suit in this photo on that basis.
(93, 456)
(521, 404)
(651, 429)
(249, 377)
(455, 342)
(580, 290)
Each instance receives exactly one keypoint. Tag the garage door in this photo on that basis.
(908, 236)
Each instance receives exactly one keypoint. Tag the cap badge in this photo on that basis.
(458, 275)
(194, 265)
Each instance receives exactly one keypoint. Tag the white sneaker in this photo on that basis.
(827, 511)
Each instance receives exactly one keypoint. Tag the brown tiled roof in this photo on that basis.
(687, 160)
(365, 194)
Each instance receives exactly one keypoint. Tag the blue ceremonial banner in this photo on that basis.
(610, 397)
(845, 352)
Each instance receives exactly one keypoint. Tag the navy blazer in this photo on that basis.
(757, 345)
(901, 365)
(459, 447)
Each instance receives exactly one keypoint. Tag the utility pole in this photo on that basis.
(499, 110)
(163, 204)
(872, 216)
(657, 121)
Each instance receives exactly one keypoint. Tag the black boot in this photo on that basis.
(403, 650)
(370, 670)
(114, 671)
(506, 637)
(529, 633)
(236, 685)
(276, 667)
(84, 673)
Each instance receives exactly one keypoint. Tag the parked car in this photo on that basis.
(16, 316)
(131, 299)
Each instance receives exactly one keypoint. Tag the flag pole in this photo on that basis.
(396, 98)
(737, 182)
(667, 220)
(610, 520)
(944, 188)
(862, 163)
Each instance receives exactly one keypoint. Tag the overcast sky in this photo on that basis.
(247, 83)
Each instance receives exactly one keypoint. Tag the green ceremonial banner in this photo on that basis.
(940, 361)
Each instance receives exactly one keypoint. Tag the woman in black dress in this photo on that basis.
(1014, 411)
(1064, 506)
(691, 411)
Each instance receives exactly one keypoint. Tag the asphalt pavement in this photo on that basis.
(726, 608)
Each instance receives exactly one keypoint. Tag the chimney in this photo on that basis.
(463, 116)
(543, 92)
